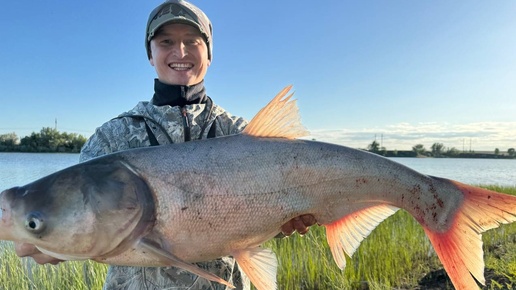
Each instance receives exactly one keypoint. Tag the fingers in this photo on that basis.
(24, 249)
(288, 228)
(308, 220)
(29, 250)
(45, 259)
(300, 224)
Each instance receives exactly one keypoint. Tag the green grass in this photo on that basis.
(16, 273)
(396, 255)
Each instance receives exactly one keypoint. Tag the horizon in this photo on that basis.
(468, 145)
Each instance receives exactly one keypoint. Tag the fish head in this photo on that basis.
(93, 209)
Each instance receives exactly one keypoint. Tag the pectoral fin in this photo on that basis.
(173, 261)
(260, 265)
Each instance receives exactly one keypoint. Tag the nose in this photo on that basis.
(180, 50)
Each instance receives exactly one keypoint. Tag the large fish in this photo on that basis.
(178, 204)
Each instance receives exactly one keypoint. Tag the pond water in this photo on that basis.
(21, 168)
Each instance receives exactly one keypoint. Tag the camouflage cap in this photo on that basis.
(179, 11)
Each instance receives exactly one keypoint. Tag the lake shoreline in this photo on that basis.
(387, 153)
(463, 155)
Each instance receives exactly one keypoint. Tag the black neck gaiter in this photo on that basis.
(177, 95)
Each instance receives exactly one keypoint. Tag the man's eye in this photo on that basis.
(166, 42)
(192, 42)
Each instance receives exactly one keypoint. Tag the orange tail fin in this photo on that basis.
(460, 247)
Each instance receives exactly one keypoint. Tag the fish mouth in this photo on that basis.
(3, 207)
(5, 216)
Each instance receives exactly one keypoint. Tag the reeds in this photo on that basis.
(16, 273)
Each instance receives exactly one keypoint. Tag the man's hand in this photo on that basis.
(29, 250)
(299, 224)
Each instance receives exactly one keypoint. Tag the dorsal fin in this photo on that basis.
(280, 118)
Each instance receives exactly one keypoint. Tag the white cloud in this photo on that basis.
(481, 136)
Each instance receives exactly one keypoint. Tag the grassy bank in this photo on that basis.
(396, 255)
(20, 274)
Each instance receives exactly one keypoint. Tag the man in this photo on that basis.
(179, 46)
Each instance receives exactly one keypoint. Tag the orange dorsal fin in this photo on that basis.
(460, 247)
(280, 118)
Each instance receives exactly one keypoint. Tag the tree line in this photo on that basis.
(46, 140)
(438, 150)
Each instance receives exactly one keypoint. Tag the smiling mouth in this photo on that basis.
(181, 66)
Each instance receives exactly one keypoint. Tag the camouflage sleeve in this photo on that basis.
(228, 124)
(95, 146)
(115, 135)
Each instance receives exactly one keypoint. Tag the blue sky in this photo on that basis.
(407, 72)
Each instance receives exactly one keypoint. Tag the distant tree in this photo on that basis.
(419, 149)
(31, 143)
(374, 147)
(511, 152)
(383, 151)
(437, 149)
(74, 142)
(9, 139)
(497, 151)
(453, 152)
(51, 140)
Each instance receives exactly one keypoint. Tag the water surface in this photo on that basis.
(471, 171)
(21, 168)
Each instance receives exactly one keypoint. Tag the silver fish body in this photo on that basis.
(232, 193)
(210, 198)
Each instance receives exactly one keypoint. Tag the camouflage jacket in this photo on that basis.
(168, 124)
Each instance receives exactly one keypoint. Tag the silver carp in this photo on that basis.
(174, 205)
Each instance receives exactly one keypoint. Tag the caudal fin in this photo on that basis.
(460, 247)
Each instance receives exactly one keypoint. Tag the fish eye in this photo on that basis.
(34, 223)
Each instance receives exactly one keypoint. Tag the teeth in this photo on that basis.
(181, 66)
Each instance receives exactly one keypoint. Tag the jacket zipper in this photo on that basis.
(186, 125)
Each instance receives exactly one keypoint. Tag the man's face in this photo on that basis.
(179, 55)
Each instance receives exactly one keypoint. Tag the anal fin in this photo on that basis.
(346, 234)
(260, 265)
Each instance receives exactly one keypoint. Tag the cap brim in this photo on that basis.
(182, 20)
